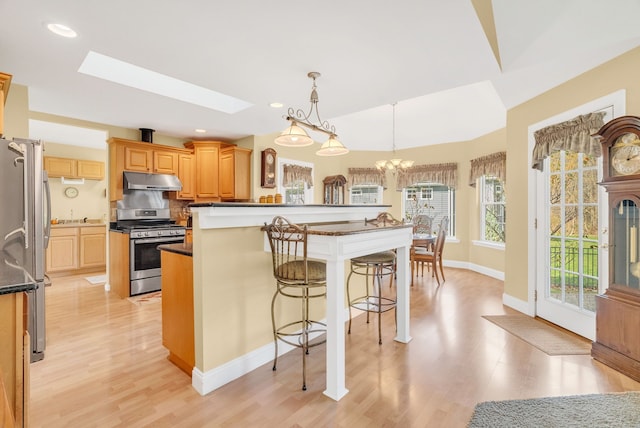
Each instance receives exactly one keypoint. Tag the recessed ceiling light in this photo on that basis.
(201, 131)
(62, 30)
(276, 105)
(114, 70)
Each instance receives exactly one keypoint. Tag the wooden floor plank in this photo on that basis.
(105, 367)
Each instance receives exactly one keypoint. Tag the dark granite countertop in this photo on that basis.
(14, 279)
(186, 249)
(257, 205)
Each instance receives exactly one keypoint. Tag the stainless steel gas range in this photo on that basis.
(145, 216)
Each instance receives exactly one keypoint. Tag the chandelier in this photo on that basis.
(295, 136)
(395, 163)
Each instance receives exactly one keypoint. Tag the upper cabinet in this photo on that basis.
(5, 82)
(207, 154)
(235, 173)
(74, 168)
(130, 155)
(210, 171)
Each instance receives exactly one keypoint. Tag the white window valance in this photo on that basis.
(371, 176)
(494, 165)
(573, 135)
(292, 174)
(441, 173)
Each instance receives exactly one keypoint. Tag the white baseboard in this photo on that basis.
(517, 304)
(205, 382)
(493, 273)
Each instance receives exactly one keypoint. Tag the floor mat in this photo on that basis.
(99, 279)
(548, 338)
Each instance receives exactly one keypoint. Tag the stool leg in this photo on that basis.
(305, 336)
(378, 269)
(273, 324)
(349, 300)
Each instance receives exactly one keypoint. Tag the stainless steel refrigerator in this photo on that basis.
(25, 225)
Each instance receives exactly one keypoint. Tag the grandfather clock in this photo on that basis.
(618, 309)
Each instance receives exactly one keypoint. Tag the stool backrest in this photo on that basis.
(384, 218)
(288, 243)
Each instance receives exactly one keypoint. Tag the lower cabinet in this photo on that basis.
(177, 309)
(76, 249)
(14, 361)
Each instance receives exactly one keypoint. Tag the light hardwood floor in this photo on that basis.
(105, 367)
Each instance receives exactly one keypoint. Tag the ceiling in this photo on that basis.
(453, 67)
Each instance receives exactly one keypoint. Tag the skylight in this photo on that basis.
(114, 70)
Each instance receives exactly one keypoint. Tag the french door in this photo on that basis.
(570, 263)
(573, 240)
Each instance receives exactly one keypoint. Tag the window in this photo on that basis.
(365, 194)
(433, 200)
(492, 209)
(298, 192)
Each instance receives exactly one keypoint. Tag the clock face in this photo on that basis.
(625, 155)
(270, 158)
(71, 192)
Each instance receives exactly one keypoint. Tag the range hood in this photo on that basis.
(143, 181)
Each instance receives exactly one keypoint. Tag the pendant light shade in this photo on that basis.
(332, 147)
(294, 136)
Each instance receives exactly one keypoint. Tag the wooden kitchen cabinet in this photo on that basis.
(235, 173)
(93, 247)
(5, 83)
(119, 264)
(177, 309)
(62, 252)
(61, 167)
(138, 159)
(188, 236)
(187, 176)
(165, 162)
(207, 154)
(76, 249)
(14, 359)
(74, 168)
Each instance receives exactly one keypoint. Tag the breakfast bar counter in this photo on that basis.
(233, 282)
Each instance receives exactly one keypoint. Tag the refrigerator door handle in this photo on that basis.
(47, 220)
(13, 232)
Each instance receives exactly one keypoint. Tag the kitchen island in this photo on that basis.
(233, 283)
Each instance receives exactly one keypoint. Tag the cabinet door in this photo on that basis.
(186, 174)
(235, 173)
(227, 174)
(93, 248)
(165, 162)
(207, 172)
(91, 170)
(62, 252)
(61, 167)
(188, 237)
(137, 159)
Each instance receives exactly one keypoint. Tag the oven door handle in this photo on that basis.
(159, 240)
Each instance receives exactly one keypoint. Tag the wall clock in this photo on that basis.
(268, 169)
(71, 192)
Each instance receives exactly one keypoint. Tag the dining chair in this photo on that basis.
(299, 278)
(374, 267)
(434, 257)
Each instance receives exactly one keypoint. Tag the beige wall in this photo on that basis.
(619, 73)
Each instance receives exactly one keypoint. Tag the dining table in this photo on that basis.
(336, 243)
